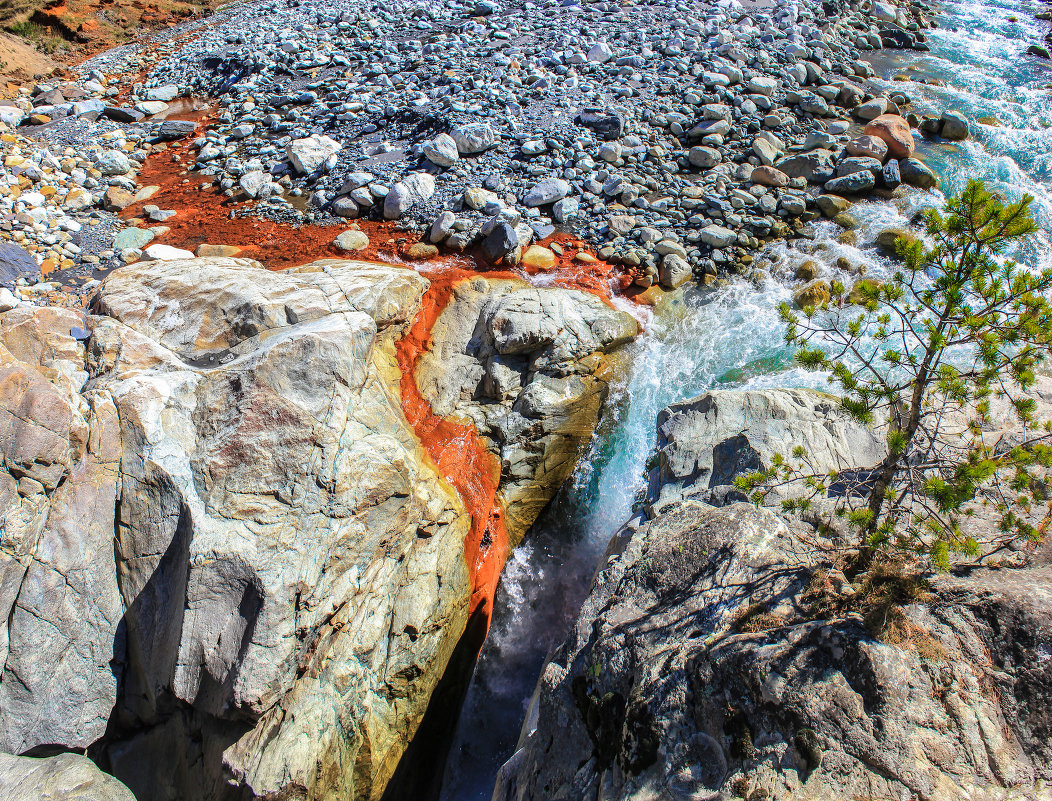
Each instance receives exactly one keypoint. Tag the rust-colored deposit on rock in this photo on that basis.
(456, 448)
(87, 27)
(202, 215)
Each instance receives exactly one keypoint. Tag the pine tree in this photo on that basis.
(956, 333)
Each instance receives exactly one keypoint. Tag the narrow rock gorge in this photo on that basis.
(407, 401)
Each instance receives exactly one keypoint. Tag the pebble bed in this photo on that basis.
(675, 137)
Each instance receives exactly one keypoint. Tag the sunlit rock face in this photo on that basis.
(699, 667)
(231, 566)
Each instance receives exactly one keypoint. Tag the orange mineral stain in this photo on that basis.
(456, 449)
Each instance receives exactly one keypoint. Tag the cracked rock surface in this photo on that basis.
(70, 777)
(529, 367)
(696, 669)
(290, 561)
(228, 567)
(219, 529)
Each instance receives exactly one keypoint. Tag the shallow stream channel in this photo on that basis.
(729, 336)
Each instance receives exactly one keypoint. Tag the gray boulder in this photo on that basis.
(763, 85)
(11, 115)
(813, 104)
(675, 271)
(565, 209)
(253, 181)
(546, 191)
(312, 153)
(872, 109)
(815, 167)
(854, 164)
(65, 777)
(704, 157)
(442, 151)
(717, 236)
(441, 227)
(113, 162)
(473, 138)
(164, 94)
(851, 184)
(849, 95)
(766, 150)
(708, 441)
(414, 188)
(171, 130)
(708, 128)
(953, 125)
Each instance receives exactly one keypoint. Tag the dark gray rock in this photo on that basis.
(51, 97)
(852, 184)
(119, 114)
(16, 263)
(890, 177)
(696, 669)
(954, 126)
(897, 39)
(501, 241)
(916, 173)
(815, 167)
(171, 130)
(607, 124)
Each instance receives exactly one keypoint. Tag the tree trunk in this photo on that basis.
(890, 466)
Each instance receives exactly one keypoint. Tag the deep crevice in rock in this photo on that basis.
(419, 773)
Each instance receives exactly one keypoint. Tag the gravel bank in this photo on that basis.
(674, 137)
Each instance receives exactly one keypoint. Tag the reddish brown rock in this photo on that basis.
(117, 199)
(769, 176)
(895, 133)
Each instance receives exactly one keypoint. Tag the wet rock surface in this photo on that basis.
(229, 567)
(529, 367)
